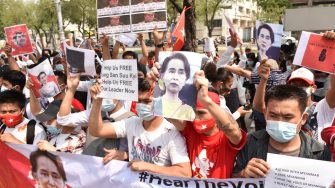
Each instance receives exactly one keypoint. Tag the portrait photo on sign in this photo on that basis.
(113, 21)
(18, 37)
(268, 37)
(80, 61)
(149, 20)
(111, 3)
(147, 5)
(174, 93)
(47, 169)
(44, 80)
(112, 7)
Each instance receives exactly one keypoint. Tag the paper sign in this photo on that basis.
(209, 45)
(127, 39)
(175, 94)
(18, 37)
(298, 172)
(131, 16)
(119, 80)
(268, 37)
(44, 80)
(315, 52)
(81, 61)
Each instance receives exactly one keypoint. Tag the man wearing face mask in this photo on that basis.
(285, 115)
(14, 127)
(13, 79)
(144, 133)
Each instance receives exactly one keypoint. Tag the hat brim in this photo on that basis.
(309, 82)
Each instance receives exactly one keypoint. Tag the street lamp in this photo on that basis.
(60, 19)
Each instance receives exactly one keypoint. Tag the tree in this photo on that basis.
(272, 10)
(190, 27)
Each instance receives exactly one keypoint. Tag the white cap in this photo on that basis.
(302, 74)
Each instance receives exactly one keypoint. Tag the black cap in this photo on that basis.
(51, 111)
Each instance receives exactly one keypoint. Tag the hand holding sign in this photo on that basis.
(256, 168)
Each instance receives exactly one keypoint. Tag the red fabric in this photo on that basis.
(15, 168)
(179, 33)
(326, 136)
(219, 151)
(76, 104)
(215, 98)
(133, 107)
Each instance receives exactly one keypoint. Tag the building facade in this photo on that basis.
(242, 13)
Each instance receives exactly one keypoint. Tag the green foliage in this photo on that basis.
(272, 10)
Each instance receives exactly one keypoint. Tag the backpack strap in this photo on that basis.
(31, 131)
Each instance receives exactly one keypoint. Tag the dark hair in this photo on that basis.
(14, 97)
(253, 57)
(39, 75)
(151, 54)
(54, 158)
(143, 85)
(181, 57)
(210, 71)
(15, 78)
(129, 53)
(223, 75)
(61, 77)
(142, 68)
(286, 92)
(267, 27)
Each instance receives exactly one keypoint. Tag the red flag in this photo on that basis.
(178, 33)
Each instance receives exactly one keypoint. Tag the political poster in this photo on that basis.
(129, 16)
(119, 80)
(80, 61)
(24, 166)
(268, 37)
(44, 80)
(287, 171)
(174, 93)
(18, 37)
(128, 39)
(315, 52)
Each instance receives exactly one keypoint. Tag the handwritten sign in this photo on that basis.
(119, 80)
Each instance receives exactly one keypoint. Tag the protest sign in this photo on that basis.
(175, 94)
(209, 45)
(81, 61)
(127, 39)
(119, 80)
(315, 52)
(18, 37)
(44, 80)
(125, 16)
(298, 172)
(268, 38)
(88, 171)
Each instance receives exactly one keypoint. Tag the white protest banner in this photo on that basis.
(129, 16)
(44, 80)
(81, 61)
(127, 39)
(83, 171)
(298, 172)
(209, 45)
(315, 52)
(18, 37)
(175, 94)
(119, 79)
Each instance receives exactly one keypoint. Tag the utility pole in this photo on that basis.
(60, 19)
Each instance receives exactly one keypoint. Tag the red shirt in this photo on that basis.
(211, 156)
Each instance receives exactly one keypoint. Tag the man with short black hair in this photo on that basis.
(13, 79)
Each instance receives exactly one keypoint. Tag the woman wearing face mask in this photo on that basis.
(265, 39)
(48, 89)
(175, 71)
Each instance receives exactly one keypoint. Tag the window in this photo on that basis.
(217, 23)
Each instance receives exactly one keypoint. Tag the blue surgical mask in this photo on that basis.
(107, 105)
(3, 88)
(250, 62)
(281, 131)
(145, 111)
(59, 67)
(53, 130)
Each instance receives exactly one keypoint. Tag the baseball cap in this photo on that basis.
(51, 111)
(302, 74)
(215, 98)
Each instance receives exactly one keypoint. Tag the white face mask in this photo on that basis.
(281, 131)
(107, 105)
(308, 91)
(145, 111)
(3, 88)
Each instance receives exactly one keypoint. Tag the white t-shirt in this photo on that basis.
(164, 146)
(324, 115)
(20, 132)
(50, 89)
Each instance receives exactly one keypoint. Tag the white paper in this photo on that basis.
(119, 80)
(298, 172)
(127, 39)
(299, 55)
(81, 61)
(209, 45)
